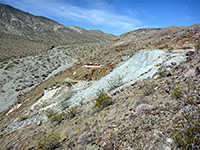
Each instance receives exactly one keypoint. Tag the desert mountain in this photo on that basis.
(22, 33)
(93, 90)
(173, 37)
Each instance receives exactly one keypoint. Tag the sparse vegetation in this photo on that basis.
(49, 142)
(23, 118)
(103, 100)
(197, 46)
(65, 97)
(148, 88)
(53, 116)
(50, 113)
(16, 62)
(177, 93)
(162, 70)
(72, 112)
(115, 82)
(186, 132)
(170, 49)
(64, 104)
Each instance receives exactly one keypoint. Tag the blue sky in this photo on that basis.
(114, 16)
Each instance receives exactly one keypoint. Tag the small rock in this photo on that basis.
(112, 126)
(173, 63)
(190, 72)
(197, 71)
(108, 146)
(190, 53)
(83, 138)
(156, 76)
(71, 144)
(142, 107)
(158, 133)
(101, 130)
(39, 123)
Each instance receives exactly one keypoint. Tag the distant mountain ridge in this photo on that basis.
(173, 37)
(22, 33)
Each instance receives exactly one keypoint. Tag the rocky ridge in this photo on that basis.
(160, 38)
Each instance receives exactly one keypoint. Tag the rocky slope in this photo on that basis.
(137, 115)
(160, 38)
(20, 75)
(23, 34)
(142, 115)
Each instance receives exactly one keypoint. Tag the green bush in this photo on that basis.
(177, 93)
(49, 142)
(103, 100)
(57, 118)
(162, 70)
(50, 114)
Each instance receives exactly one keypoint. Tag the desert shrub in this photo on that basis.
(177, 93)
(49, 142)
(115, 82)
(197, 46)
(23, 118)
(186, 133)
(103, 100)
(170, 49)
(148, 88)
(54, 117)
(16, 62)
(50, 113)
(72, 112)
(162, 70)
(64, 104)
(65, 97)
(48, 59)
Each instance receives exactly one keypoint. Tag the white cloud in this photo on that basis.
(98, 17)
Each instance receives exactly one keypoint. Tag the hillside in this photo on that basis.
(142, 113)
(23, 34)
(160, 38)
(88, 90)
